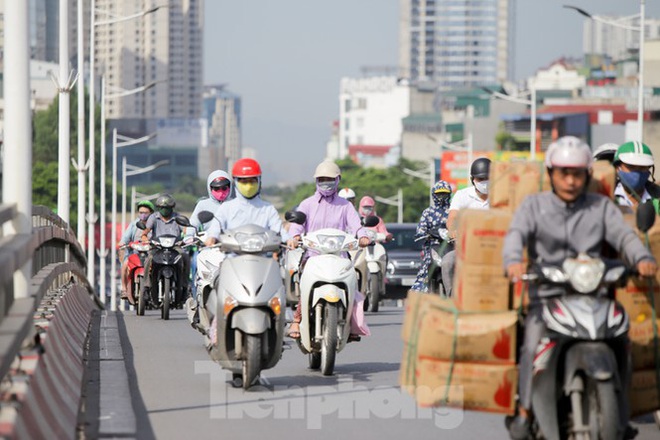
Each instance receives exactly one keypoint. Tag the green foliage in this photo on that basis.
(375, 182)
(505, 141)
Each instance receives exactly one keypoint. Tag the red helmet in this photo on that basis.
(246, 167)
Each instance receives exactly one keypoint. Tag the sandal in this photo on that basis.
(294, 332)
(354, 338)
(123, 295)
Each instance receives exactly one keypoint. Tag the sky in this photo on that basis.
(285, 59)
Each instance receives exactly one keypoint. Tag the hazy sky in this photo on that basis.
(286, 57)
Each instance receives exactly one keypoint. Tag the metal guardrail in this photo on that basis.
(57, 259)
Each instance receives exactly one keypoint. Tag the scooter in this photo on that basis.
(328, 286)
(248, 297)
(581, 364)
(209, 260)
(434, 280)
(166, 291)
(376, 259)
(290, 274)
(136, 274)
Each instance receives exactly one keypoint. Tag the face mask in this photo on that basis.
(634, 180)
(143, 217)
(326, 189)
(367, 210)
(220, 194)
(166, 212)
(247, 189)
(482, 186)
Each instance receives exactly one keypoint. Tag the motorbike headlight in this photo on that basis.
(167, 241)
(141, 247)
(251, 242)
(390, 268)
(584, 273)
(330, 243)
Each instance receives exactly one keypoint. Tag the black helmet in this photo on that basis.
(165, 201)
(480, 168)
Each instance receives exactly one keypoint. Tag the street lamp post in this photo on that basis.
(113, 247)
(640, 78)
(91, 216)
(532, 123)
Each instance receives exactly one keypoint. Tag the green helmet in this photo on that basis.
(634, 153)
(146, 204)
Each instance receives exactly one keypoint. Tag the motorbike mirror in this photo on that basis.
(205, 216)
(140, 225)
(371, 221)
(182, 220)
(295, 217)
(645, 216)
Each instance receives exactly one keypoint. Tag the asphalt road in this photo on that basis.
(179, 392)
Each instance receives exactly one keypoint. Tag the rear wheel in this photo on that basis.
(435, 283)
(601, 409)
(141, 298)
(165, 309)
(314, 361)
(252, 359)
(329, 343)
(374, 293)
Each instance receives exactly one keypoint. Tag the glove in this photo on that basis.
(444, 233)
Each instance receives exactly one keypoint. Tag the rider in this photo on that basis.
(368, 208)
(473, 197)
(132, 233)
(554, 225)
(432, 225)
(348, 194)
(325, 209)
(634, 166)
(247, 207)
(160, 223)
(218, 185)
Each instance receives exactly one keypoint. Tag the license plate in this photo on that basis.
(407, 281)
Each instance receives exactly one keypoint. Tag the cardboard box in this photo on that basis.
(481, 235)
(473, 386)
(512, 181)
(478, 337)
(642, 338)
(416, 303)
(644, 393)
(603, 178)
(635, 298)
(481, 287)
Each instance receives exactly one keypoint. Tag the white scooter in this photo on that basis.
(376, 257)
(328, 286)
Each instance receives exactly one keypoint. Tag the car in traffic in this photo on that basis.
(403, 259)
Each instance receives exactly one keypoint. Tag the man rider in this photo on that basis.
(554, 225)
(325, 209)
(634, 166)
(160, 223)
(473, 197)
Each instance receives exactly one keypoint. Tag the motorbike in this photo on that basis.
(434, 278)
(136, 274)
(290, 264)
(209, 260)
(166, 291)
(370, 264)
(247, 327)
(327, 294)
(581, 364)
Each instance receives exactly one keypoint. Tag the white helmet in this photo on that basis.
(327, 168)
(606, 152)
(346, 193)
(568, 152)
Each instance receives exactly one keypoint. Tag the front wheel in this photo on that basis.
(329, 344)
(374, 293)
(601, 409)
(252, 359)
(314, 360)
(141, 298)
(165, 295)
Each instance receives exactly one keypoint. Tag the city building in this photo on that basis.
(614, 41)
(560, 75)
(457, 44)
(222, 111)
(370, 112)
(162, 47)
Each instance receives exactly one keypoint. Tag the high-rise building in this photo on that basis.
(457, 43)
(222, 110)
(163, 47)
(616, 42)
